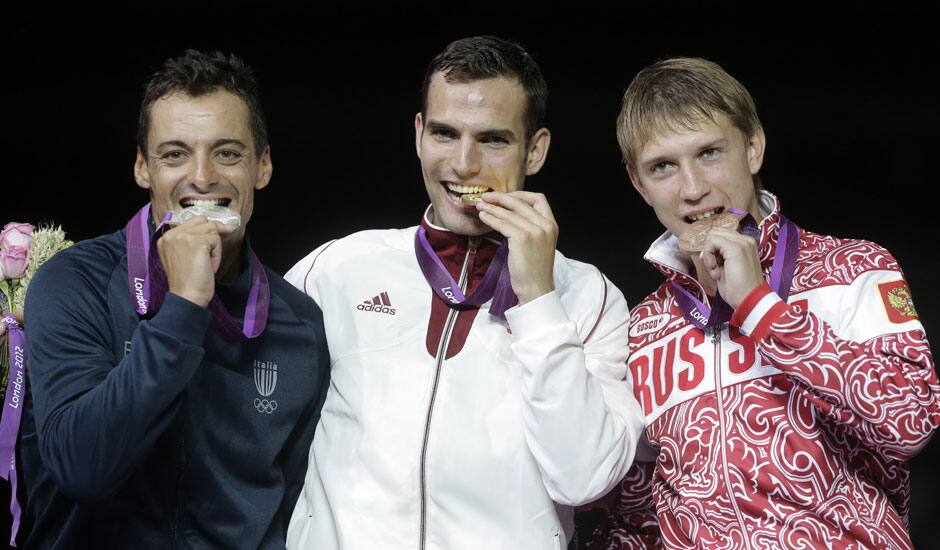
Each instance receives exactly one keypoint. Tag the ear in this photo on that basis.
(638, 185)
(419, 131)
(538, 151)
(265, 169)
(141, 172)
(755, 150)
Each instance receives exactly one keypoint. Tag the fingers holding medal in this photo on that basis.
(191, 253)
(731, 259)
(527, 222)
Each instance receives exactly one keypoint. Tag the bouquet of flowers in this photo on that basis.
(23, 248)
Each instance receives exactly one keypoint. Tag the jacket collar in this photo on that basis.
(452, 248)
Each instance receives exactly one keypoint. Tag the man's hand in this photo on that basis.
(191, 253)
(731, 260)
(527, 222)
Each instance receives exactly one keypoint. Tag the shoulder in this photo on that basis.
(86, 263)
(350, 253)
(299, 304)
(825, 260)
(574, 276)
(372, 241)
(74, 283)
(583, 287)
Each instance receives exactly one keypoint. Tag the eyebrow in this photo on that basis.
(216, 144)
(435, 126)
(171, 143)
(653, 161)
(722, 141)
(221, 142)
(503, 133)
(506, 134)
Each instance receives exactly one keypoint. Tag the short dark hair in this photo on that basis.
(480, 57)
(196, 73)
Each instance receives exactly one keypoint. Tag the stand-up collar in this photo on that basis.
(665, 255)
(452, 248)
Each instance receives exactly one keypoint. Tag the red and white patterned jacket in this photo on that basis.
(791, 426)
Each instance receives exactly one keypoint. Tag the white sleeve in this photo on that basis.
(582, 423)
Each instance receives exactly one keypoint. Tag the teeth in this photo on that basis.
(467, 188)
(204, 202)
(704, 216)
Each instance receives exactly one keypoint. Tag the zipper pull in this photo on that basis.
(473, 244)
(716, 334)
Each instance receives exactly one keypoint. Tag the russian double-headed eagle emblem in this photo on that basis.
(898, 304)
(900, 299)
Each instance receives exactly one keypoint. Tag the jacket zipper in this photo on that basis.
(716, 339)
(441, 352)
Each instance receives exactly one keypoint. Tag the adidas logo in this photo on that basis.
(378, 304)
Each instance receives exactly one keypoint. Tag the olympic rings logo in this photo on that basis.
(265, 406)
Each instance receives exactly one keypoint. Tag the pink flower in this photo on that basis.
(14, 249)
(16, 234)
(13, 261)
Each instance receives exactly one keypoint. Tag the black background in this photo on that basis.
(845, 96)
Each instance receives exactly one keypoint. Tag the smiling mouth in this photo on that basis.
(466, 193)
(206, 203)
(704, 215)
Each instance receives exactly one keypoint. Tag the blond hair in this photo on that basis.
(676, 94)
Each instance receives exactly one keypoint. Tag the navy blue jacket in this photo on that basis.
(158, 433)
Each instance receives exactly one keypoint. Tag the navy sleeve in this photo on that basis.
(97, 414)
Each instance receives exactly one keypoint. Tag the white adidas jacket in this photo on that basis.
(488, 449)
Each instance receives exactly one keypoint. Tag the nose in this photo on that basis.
(204, 174)
(694, 185)
(466, 160)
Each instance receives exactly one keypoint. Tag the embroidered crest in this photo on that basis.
(897, 301)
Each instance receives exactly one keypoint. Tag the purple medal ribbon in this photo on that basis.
(495, 284)
(781, 275)
(12, 413)
(148, 285)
